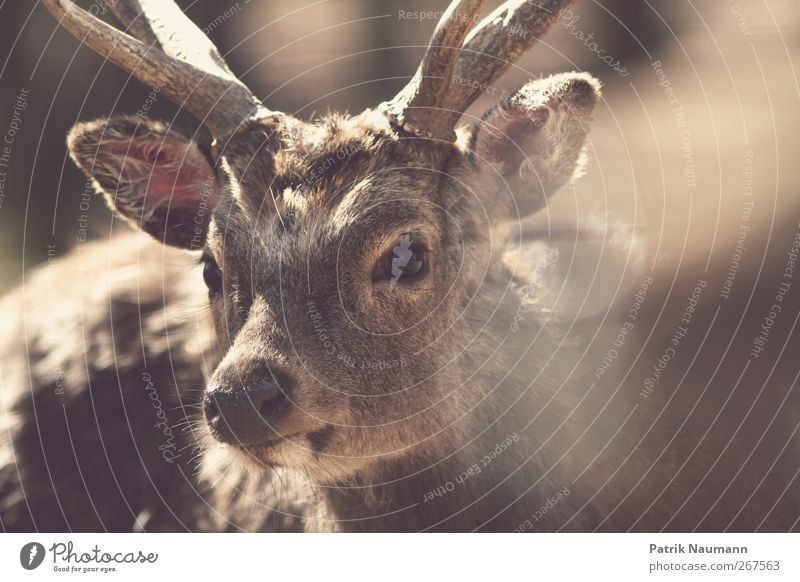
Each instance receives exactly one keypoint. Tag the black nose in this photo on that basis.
(243, 416)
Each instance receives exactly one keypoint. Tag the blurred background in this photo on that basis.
(700, 115)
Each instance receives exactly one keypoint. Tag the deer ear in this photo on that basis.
(153, 177)
(534, 140)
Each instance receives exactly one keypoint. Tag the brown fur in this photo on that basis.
(446, 401)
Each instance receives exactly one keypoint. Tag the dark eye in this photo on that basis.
(415, 263)
(405, 263)
(212, 275)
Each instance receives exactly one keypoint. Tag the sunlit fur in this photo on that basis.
(392, 387)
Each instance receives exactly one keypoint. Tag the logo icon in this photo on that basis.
(402, 255)
(31, 555)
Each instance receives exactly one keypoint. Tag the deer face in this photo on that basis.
(332, 279)
(351, 263)
(348, 265)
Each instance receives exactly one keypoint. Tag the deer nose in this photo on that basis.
(243, 416)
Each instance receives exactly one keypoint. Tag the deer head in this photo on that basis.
(353, 263)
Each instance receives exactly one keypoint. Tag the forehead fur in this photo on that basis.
(327, 171)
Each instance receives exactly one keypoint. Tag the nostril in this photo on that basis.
(267, 398)
(211, 409)
(245, 415)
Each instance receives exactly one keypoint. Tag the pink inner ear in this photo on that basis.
(521, 135)
(172, 169)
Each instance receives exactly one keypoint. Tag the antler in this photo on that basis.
(414, 108)
(452, 75)
(171, 53)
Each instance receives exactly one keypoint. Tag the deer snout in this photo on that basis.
(244, 415)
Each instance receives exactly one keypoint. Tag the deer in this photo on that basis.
(369, 359)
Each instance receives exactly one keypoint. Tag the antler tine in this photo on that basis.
(166, 26)
(171, 53)
(448, 81)
(497, 42)
(415, 108)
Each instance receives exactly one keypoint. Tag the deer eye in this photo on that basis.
(212, 275)
(406, 262)
(415, 264)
